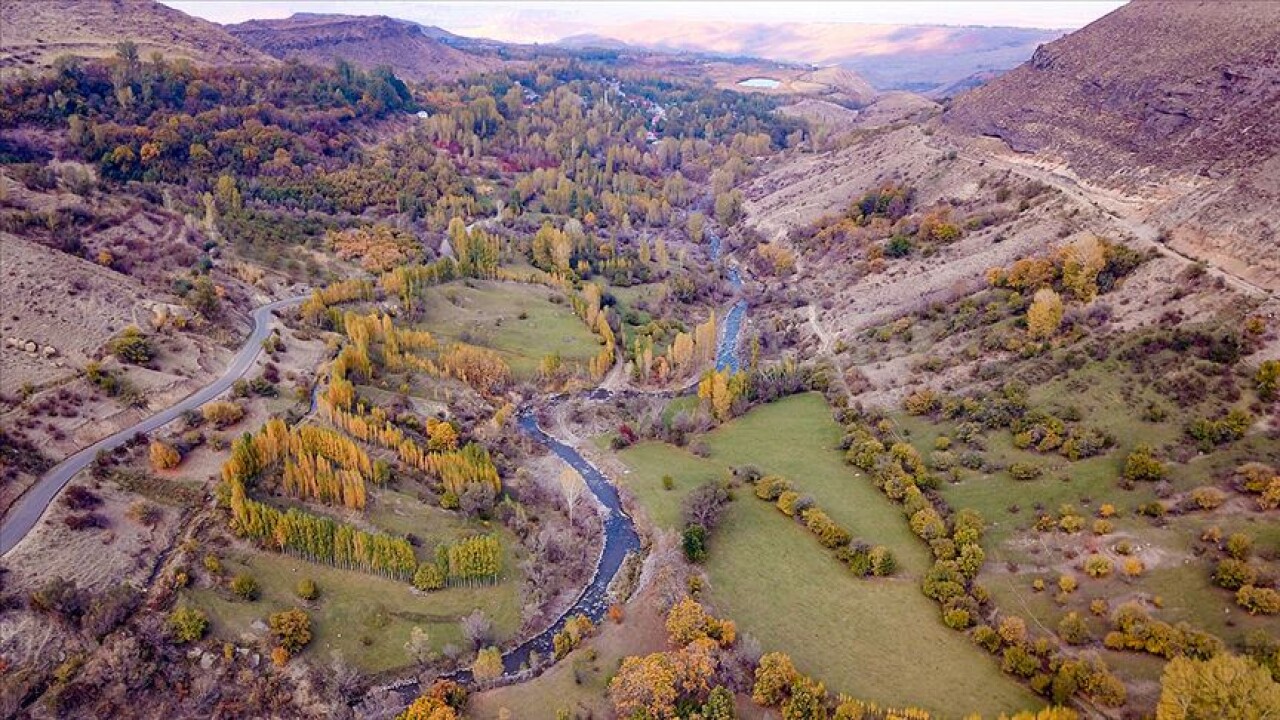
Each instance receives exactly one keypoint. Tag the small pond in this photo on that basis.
(760, 82)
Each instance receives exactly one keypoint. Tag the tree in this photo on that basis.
(428, 707)
(697, 222)
(187, 624)
(728, 207)
(774, 677)
(488, 664)
(645, 686)
(204, 298)
(1225, 687)
(719, 705)
(808, 701)
(477, 628)
(693, 541)
(704, 505)
(571, 485)
(292, 628)
(164, 456)
(428, 577)
(1045, 314)
(419, 645)
(1081, 262)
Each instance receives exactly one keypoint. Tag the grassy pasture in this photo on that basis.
(874, 639)
(365, 617)
(518, 321)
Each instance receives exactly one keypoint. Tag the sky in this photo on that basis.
(548, 21)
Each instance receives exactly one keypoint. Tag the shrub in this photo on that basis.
(279, 656)
(292, 628)
(882, 562)
(1013, 630)
(1258, 600)
(787, 502)
(1267, 380)
(1067, 583)
(1207, 497)
(132, 347)
(213, 564)
(1239, 546)
(1234, 574)
(1018, 661)
(957, 618)
(245, 586)
(771, 487)
(1133, 567)
(222, 413)
(1102, 527)
(1025, 471)
(187, 624)
(1097, 566)
(306, 589)
(668, 482)
(163, 455)
(1142, 464)
(1073, 630)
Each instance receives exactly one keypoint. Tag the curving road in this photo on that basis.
(26, 512)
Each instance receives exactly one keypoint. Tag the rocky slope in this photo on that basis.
(412, 51)
(35, 33)
(1186, 86)
(1173, 104)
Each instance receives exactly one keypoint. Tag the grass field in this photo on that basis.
(366, 617)
(879, 640)
(1177, 573)
(489, 313)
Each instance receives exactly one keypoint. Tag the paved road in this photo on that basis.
(31, 506)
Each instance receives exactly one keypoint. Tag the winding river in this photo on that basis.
(620, 536)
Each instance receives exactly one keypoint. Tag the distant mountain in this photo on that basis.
(918, 58)
(33, 34)
(413, 51)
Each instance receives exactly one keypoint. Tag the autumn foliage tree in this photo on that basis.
(1045, 314)
(163, 455)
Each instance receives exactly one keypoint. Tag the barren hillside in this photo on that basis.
(366, 42)
(35, 33)
(1180, 86)
(1174, 104)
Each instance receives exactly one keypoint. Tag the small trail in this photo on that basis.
(1118, 209)
(826, 348)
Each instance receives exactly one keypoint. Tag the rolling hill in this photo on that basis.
(413, 51)
(35, 33)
